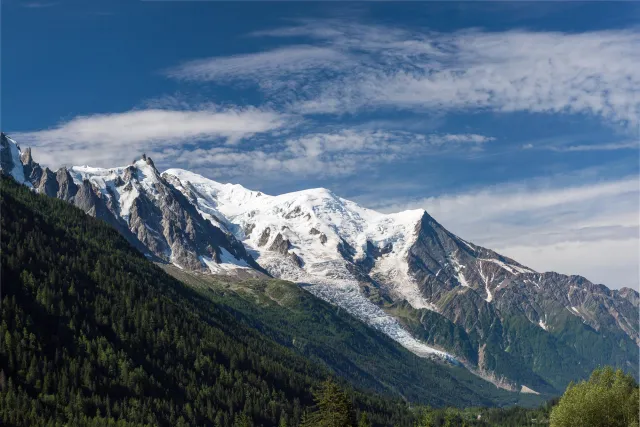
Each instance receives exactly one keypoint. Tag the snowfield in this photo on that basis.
(327, 234)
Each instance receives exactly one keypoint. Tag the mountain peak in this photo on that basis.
(26, 156)
(319, 192)
(146, 162)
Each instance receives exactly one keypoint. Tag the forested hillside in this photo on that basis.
(92, 333)
(331, 336)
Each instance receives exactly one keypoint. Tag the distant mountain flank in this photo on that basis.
(403, 273)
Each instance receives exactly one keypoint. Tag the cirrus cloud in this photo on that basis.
(374, 66)
(261, 65)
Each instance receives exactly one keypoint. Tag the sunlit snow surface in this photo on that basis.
(114, 184)
(542, 325)
(316, 222)
(349, 298)
(513, 269)
(227, 262)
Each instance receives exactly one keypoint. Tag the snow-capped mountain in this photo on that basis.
(312, 235)
(401, 273)
(137, 201)
(317, 237)
(404, 271)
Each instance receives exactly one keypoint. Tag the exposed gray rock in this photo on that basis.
(66, 187)
(296, 212)
(280, 245)
(32, 170)
(249, 229)
(346, 250)
(6, 160)
(372, 253)
(85, 198)
(160, 222)
(48, 184)
(504, 321)
(296, 259)
(631, 295)
(167, 224)
(264, 237)
(315, 232)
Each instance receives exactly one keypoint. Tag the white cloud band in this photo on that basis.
(110, 139)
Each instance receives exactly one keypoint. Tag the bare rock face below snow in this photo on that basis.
(280, 245)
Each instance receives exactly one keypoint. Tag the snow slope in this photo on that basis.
(314, 237)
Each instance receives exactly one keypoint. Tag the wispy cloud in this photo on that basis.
(590, 228)
(262, 66)
(595, 73)
(330, 154)
(628, 145)
(108, 139)
(578, 143)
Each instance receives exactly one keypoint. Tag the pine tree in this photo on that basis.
(364, 420)
(333, 407)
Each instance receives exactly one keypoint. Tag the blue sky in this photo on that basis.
(515, 124)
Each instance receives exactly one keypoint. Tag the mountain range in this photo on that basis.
(403, 274)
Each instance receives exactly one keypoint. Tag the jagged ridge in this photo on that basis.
(154, 217)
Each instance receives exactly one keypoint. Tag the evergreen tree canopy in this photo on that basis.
(332, 407)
